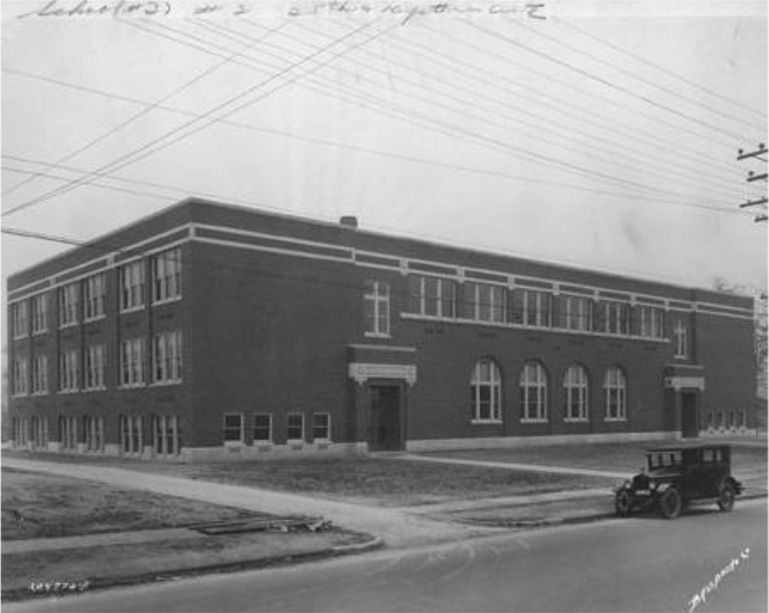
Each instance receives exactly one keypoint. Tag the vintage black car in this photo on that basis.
(674, 476)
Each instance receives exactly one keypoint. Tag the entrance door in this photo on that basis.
(385, 432)
(689, 426)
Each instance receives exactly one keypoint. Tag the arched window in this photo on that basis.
(486, 392)
(534, 392)
(615, 392)
(575, 394)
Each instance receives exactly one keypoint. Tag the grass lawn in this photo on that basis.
(60, 506)
(616, 457)
(378, 481)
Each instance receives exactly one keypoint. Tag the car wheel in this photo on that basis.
(670, 503)
(726, 496)
(623, 502)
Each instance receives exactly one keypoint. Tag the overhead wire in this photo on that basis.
(130, 158)
(603, 191)
(606, 82)
(144, 111)
(634, 75)
(659, 67)
(679, 147)
(410, 114)
(624, 147)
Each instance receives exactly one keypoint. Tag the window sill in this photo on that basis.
(615, 418)
(234, 444)
(100, 388)
(19, 337)
(70, 324)
(262, 443)
(376, 335)
(45, 393)
(165, 383)
(39, 332)
(132, 386)
(20, 395)
(88, 320)
(576, 420)
(534, 421)
(477, 422)
(166, 300)
(680, 357)
(132, 309)
(68, 391)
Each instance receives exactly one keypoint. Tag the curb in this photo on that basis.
(544, 522)
(98, 583)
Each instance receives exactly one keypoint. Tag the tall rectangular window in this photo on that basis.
(20, 376)
(680, 340)
(132, 360)
(577, 312)
(321, 426)
(94, 292)
(263, 427)
(93, 428)
(68, 371)
(131, 435)
(94, 367)
(485, 302)
(616, 317)
(167, 275)
(376, 308)
(132, 285)
(40, 374)
(432, 296)
(167, 357)
(20, 319)
(69, 434)
(295, 427)
(165, 434)
(532, 307)
(40, 313)
(650, 322)
(68, 304)
(233, 428)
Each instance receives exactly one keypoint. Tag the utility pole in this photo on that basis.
(758, 154)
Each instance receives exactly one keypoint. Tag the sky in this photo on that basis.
(596, 134)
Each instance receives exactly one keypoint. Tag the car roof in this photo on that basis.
(686, 446)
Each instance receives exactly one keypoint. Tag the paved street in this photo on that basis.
(638, 564)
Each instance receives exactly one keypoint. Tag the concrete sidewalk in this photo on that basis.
(396, 527)
(560, 470)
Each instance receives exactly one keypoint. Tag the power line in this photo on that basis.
(598, 79)
(658, 67)
(601, 100)
(520, 151)
(632, 74)
(494, 79)
(336, 144)
(228, 113)
(199, 77)
(411, 158)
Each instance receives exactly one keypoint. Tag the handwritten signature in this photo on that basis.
(701, 597)
(162, 8)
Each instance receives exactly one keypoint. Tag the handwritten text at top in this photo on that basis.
(73, 9)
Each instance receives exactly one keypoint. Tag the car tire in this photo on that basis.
(670, 503)
(623, 502)
(726, 495)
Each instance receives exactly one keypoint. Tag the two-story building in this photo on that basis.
(213, 331)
